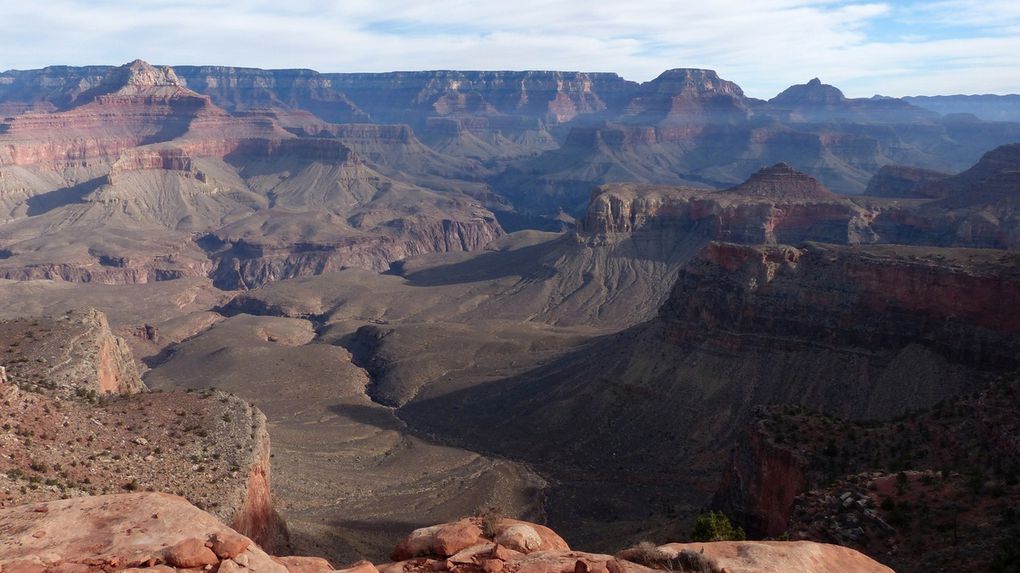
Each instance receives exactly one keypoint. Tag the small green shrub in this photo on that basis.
(715, 526)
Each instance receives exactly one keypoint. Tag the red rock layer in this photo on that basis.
(760, 485)
(965, 303)
(776, 205)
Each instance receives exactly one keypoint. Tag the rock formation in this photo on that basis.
(146, 159)
(163, 533)
(69, 354)
(976, 207)
(900, 181)
(462, 547)
(864, 332)
(776, 205)
(78, 423)
(130, 532)
(685, 125)
(809, 476)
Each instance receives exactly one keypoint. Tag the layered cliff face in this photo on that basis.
(865, 332)
(464, 114)
(687, 125)
(241, 89)
(256, 252)
(71, 354)
(875, 297)
(776, 205)
(153, 165)
(549, 96)
(977, 207)
(132, 105)
(689, 97)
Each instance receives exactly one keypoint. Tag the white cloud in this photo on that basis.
(764, 45)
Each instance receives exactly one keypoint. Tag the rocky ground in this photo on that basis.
(69, 437)
(163, 533)
(927, 491)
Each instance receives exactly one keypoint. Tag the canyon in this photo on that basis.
(326, 310)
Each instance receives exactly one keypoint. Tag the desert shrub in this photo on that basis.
(715, 526)
(647, 554)
(695, 562)
(644, 553)
(490, 516)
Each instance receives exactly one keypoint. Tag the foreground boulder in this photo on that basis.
(508, 546)
(450, 539)
(141, 531)
(164, 533)
(780, 557)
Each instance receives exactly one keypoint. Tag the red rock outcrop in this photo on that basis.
(688, 96)
(459, 547)
(781, 557)
(135, 104)
(887, 297)
(760, 485)
(255, 516)
(776, 205)
(75, 352)
(64, 365)
(160, 532)
(450, 539)
(129, 532)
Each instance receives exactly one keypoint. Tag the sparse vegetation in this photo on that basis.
(646, 553)
(715, 526)
(490, 517)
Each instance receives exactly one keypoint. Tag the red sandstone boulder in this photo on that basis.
(190, 553)
(528, 537)
(450, 539)
(536, 562)
(438, 540)
(308, 564)
(781, 557)
(151, 532)
(227, 544)
(521, 547)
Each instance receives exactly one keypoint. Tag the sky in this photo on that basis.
(893, 48)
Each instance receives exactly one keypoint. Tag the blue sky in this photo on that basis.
(892, 48)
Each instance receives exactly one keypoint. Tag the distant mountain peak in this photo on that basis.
(694, 82)
(814, 93)
(139, 78)
(142, 73)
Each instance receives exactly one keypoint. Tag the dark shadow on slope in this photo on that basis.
(525, 261)
(46, 202)
(354, 539)
(379, 416)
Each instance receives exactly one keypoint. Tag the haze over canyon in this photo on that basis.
(284, 320)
